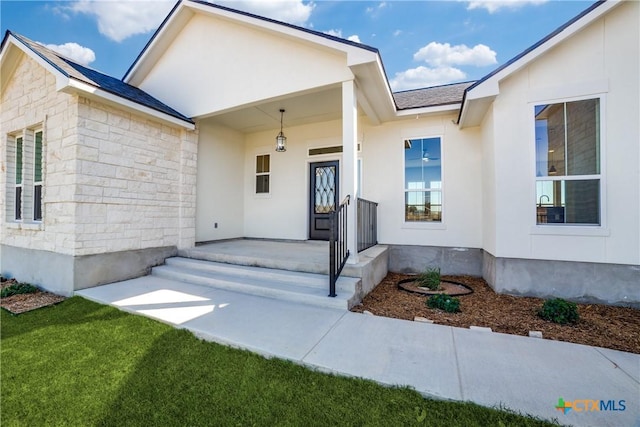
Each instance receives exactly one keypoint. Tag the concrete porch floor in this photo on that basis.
(309, 256)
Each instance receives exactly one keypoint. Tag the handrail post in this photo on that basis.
(338, 250)
(332, 254)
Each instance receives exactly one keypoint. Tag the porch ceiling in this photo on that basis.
(301, 109)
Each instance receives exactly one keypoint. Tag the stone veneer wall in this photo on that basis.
(115, 182)
(135, 182)
(30, 101)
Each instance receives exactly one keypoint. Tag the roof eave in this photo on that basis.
(83, 88)
(429, 110)
(66, 84)
(489, 86)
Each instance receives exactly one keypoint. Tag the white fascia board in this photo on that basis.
(75, 85)
(355, 55)
(490, 87)
(438, 109)
(61, 79)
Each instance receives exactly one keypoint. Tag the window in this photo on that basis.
(263, 172)
(423, 180)
(568, 181)
(37, 177)
(18, 188)
(25, 176)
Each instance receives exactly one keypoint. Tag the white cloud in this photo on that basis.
(119, 20)
(80, 54)
(443, 54)
(424, 77)
(338, 33)
(374, 11)
(291, 11)
(396, 33)
(443, 61)
(493, 6)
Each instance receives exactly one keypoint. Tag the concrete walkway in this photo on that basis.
(525, 374)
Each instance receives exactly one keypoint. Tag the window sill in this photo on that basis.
(563, 230)
(37, 226)
(427, 225)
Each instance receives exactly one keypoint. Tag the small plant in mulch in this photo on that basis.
(444, 302)
(18, 289)
(429, 279)
(559, 311)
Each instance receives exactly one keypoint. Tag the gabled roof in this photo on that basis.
(363, 61)
(480, 95)
(95, 79)
(245, 14)
(434, 96)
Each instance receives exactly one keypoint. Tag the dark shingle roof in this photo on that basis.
(431, 96)
(97, 79)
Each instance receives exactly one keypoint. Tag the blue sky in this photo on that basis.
(422, 43)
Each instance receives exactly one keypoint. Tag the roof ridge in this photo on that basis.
(436, 86)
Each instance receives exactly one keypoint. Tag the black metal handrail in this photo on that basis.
(367, 224)
(338, 252)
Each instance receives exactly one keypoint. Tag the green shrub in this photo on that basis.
(18, 288)
(444, 302)
(430, 279)
(559, 311)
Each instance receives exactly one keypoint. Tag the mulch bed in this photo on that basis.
(606, 326)
(22, 303)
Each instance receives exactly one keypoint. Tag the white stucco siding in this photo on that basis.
(602, 60)
(383, 182)
(220, 189)
(284, 213)
(213, 65)
(30, 102)
(135, 182)
(487, 135)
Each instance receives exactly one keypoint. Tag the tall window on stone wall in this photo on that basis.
(568, 181)
(37, 177)
(19, 167)
(423, 180)
(263, 173)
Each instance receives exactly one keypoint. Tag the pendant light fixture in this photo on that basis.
(281, 140)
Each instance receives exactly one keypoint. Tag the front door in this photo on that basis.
(323, 198)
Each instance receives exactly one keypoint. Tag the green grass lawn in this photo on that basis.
(81, 363)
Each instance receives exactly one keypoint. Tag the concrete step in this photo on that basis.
(298, 287)
(309, 265)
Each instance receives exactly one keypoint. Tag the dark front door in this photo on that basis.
(323, 198)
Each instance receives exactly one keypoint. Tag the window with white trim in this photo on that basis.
(18, 168)
(25, 176)
(568, 176)
(263, 173)
(423, 180)
(37, 177)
